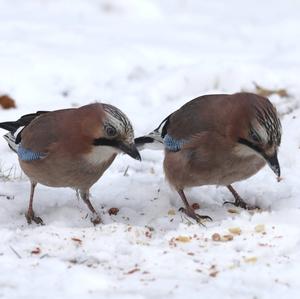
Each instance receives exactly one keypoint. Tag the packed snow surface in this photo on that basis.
(148, 58)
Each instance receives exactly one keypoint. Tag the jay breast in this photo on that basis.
(188, 169)
(66, 171)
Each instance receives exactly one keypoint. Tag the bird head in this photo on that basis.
(263, 135)
(117, 132)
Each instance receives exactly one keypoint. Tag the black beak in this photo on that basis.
(130, 149)
(273, 163)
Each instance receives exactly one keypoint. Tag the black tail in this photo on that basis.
(23, 121)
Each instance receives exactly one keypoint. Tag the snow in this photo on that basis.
(148, 58)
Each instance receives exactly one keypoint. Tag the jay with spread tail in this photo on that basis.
(217, 140)
(70, 147)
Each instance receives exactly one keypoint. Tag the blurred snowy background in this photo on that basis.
(148, 58)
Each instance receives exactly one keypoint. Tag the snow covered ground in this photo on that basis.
(148, 58)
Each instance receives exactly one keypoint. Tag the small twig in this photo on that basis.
(15, 252)
(126, 170)
(44, 255)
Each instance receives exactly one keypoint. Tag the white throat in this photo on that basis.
(100, 154)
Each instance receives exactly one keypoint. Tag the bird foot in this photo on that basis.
(239, 202)
(96, 219)
(191, 213)
(31, 217)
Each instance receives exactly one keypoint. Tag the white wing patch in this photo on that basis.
(11, 140)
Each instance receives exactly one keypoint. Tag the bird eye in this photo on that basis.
(254, 136)
(111, 131)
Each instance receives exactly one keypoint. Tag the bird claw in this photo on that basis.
(96, 219)
(241, 204)
(191, 213)
(31, 217)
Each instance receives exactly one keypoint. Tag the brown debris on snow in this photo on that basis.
(113, 211)
(6, 102)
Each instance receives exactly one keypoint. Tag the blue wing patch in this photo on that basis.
(172, 144)
(29, 155)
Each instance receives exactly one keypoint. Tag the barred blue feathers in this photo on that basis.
(29, 155)
(172, 144)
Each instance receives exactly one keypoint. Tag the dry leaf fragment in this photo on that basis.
(235, 230)
(77, 240)
(148, 234)
(37, 250)
(133, 271)
(195, 206)
(233, 211)
(262, 91)
(260, 228)
(113, 211)
(7, 102)
(214, 273)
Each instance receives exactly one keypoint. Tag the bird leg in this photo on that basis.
(239, 202)
(95, 219)
(189, 211)
(30, 213)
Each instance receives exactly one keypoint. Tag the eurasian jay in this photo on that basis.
(217, 140)
(70, 147)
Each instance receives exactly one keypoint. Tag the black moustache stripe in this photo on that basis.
(105, 141)
(250, 144)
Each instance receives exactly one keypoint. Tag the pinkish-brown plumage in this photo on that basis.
(70, 147)
(218, 140)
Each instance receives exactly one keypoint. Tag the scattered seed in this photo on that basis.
(226, 238)
(171, 212)
(252, 259)
(260, 228)
(216, 237)
(235, 230)
(183, 239)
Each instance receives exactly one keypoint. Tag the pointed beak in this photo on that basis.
(273, 163)
(130, 149)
